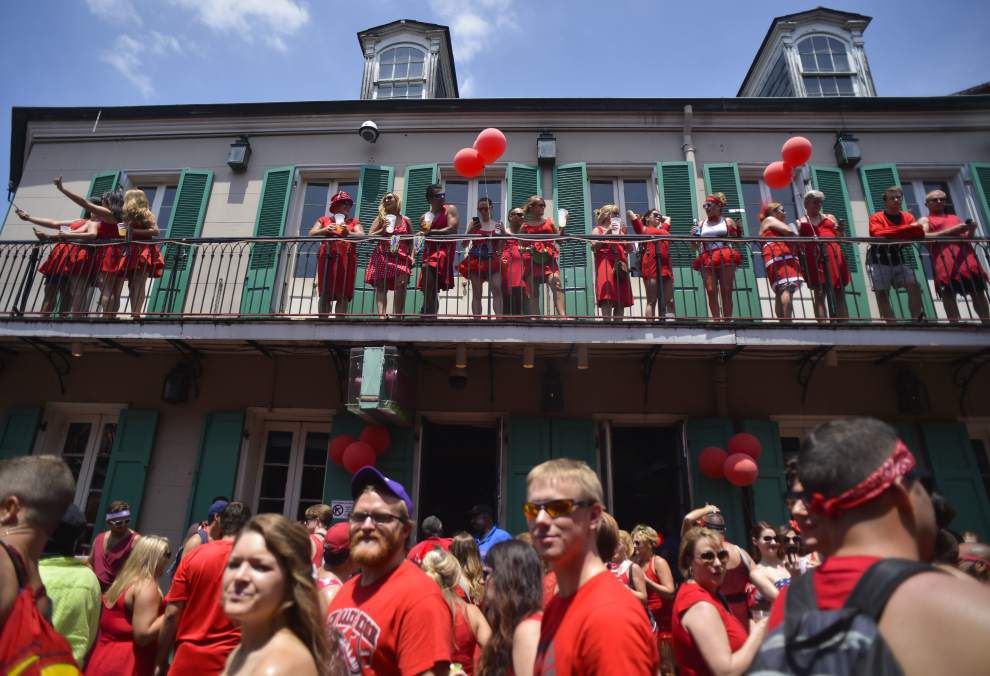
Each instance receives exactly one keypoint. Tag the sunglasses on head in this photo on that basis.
(709, 556)
(554, 508)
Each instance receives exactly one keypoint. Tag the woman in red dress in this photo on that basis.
(391, 261)
(64, 269)
(437, 273)
(613, 289)
(471, 630)
(718, 259)
(780, 258)
(132, 613)
(708, 639)
(138, 261)
(483, 258)
(336, 262)
(513, 267)
(540, 257)
(659, 590)
(824, 264)
(655, 261)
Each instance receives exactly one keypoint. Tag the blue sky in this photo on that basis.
(134, 52)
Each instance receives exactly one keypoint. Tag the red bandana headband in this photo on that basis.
(713, 198)
(900, 462)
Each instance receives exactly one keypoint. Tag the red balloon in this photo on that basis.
(711, 460)
(740, 469)
(337, 446)
(358, 455)
(376, 436)
(468, 162)
(744, 442)
(777, 174)
(490, 144)
(796, 151)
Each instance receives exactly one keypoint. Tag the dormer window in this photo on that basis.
(401, 73)
(825, 67)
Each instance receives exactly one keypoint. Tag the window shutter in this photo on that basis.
(19, 430)
(414, 205)
(701, 433)
(262, 271)
(523, 182)
(980, 172)
(724, 178)
(528, 445)
(168, 295)
(572, 192)
(831, 181)
(374, 183)
(957, 476)
(216, 468)
(770, 489)
(676, 187)
(102, 183)
(128, 464)
(574, 439)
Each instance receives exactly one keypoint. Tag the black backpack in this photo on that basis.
(842, 641)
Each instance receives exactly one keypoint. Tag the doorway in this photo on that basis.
(458, 469)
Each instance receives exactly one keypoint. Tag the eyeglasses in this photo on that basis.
(439, 195)
(709, 556)
(790, 539)
(769, 538)
(380, 518)
(554, 508)
(119, 522)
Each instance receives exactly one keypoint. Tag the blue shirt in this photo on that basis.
(490, 539)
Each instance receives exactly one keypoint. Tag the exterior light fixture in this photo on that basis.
(240, 153)
(847, 152)
(546, 148)
(460, 358)
(529, 356)
(582, 357)
(76, 349)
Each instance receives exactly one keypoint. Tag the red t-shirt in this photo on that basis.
(197, 583)
(417, 553)
(908, 228)
(689, 659)
(398, 625)
(834, 581)
(601, 629)
(549, 587)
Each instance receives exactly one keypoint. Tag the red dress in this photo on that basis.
(485, 255)
(439, 255)
(115, 651)
(137, 256)
(689, 659)
(956, 265)
(783, 266)
(66, 258)
(660, 608)
(717, 254)
(318, 542)
(733, 588)
(465, 642)
(654, 251)
(384, 265)
(548, 250)
(336, 262)
(824, 263)
(106, 258)
(513, 267)
(611, 286)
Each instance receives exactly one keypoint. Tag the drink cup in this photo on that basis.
(122, 229)
(390, 223)
(562, 217)
(428, 220)
(65, 229)
(338, 219)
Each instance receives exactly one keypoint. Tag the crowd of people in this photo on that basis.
(864, 578)
(520, 272)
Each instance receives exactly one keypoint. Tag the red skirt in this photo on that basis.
(724, 256)
(336, 268)
(476, 269)
(785, 273)
(140, 257)
(825, 263)
(648, 261)
(610, 285)
(439, 256)
(513, 269)
(385, 266)
(954, 263)
(67, 259)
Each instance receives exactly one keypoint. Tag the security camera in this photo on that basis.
(458, 379)
(369, 131)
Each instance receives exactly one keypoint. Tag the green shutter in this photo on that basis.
(375, 182)
(676, 187)
(527, 445)
(571, 191)
(168, 295)
(523, 182)
(262, 271)
(957, 475)
(832, 182)
(770, 489)
(724, 178)
(102, 183)
(980, 172)
(702, 433)
(216, 468)
(876, 178)
(414, 205)
(19, 430)
(574, 439)
(129, 458)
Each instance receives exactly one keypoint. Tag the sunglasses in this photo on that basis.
(554, 508)
(791, 540)
(709, 556)
(717, 529)
(439, 195)
(769, 538)
(119, 522)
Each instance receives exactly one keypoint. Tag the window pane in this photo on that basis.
(829, 88)
(825, 63)
(821, 43)
(416, 56)
(74, 448)
(416, 69)
(635, 196)
(401, 71)
(806, 46)
(910, 202)
(457, 194)
(388, 56)
(808, 64)
(811, 86)
(402, 54)
(314, 205)
(416, 91)
(752, 201)
(385, 91)
(845, 85)
(165, 212)
(385, 72)
(841, 61)
(398, 91)
(493, 191)
(278, 448)
(602, 192)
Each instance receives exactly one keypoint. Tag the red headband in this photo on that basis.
(897, 465)
(712, 198)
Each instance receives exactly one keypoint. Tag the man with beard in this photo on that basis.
(392, 618)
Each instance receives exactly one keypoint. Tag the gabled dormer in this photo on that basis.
(408, 59)
(812, 54)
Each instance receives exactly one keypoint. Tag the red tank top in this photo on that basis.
(465, 641)
(733, 588)
(108, 562)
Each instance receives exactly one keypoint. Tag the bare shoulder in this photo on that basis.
(286, 654)
(942, 594)
(529, 627)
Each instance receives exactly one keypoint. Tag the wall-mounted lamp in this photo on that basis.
(460, 357)
(582, 357)
(546, 148)
(847, 152)
(76, 349)
(529, 356)
(240, 153)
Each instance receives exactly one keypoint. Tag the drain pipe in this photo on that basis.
(687, 147)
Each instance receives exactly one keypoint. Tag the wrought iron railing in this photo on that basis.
(792, 279)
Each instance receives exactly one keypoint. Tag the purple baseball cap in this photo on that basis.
(369, 476)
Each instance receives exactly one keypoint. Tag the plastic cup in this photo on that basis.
(122, 229)
(338, 219)
(562, 217)
(390, 223)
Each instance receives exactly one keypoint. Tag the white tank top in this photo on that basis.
(719, 229)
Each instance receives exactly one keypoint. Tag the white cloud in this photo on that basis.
(467, 86)
(115, 11)
(161, 44)
(473, 23)
(271, 20)
(124, 60)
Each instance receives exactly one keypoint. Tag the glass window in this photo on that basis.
(752, 203)
(819, 55)
(88, 459)
(602, 192)
(778, 82)
(785, 196)
(160, 201)
(401, 73)
(314, 468)
(635, 195)
(457, 194)
(275, 472)
(910, 202)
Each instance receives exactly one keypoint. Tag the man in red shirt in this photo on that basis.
(392, 618)
(432, 529)
(593, 625)
(194, 619)
(886, 261)
(858, 482)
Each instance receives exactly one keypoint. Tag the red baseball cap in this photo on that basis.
(338, 537)
(339, 197)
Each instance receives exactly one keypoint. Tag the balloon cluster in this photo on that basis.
(796, 151)
(488, 147)
(738, 465)
(353, 453)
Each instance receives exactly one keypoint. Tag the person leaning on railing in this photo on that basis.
(824, 264)
(886, 263)
(437, 272)
(392, 259)
(140, 260)
(482, 259)
(613, 290)
(540, 258)
(782, 264)
(654, 262)
(514, 269)
(718, 259)
(336, 262)
(957, 270)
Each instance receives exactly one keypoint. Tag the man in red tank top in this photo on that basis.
(317, 520)
(860, 484)
(111, 548)
(438, 257)
(432, 530)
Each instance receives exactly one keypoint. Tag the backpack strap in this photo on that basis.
(801, 599)
(879, 582)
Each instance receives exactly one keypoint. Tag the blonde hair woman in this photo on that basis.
(613, 289)
(392, 259)
(465, 549)
(540, 258)
(470, 626)
(132, 613)
(140, 260)
(268, 590)
(659, 589)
